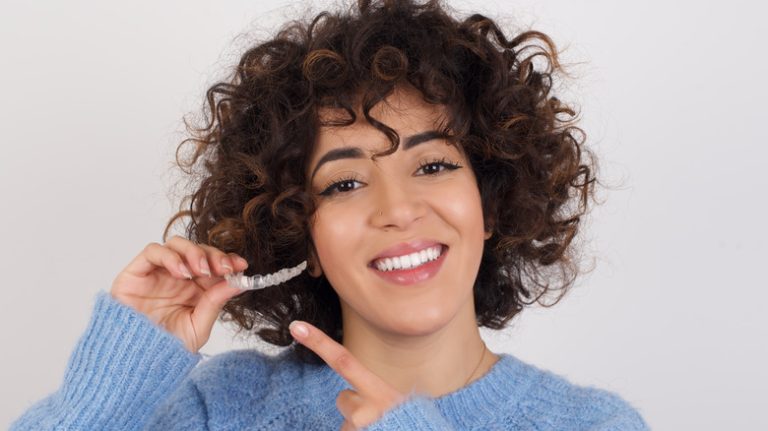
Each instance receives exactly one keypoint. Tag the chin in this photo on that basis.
(416, 323)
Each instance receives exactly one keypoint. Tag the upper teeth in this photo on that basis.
(408, 261)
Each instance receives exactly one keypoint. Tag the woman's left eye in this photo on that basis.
(336, 186)
(442, 162)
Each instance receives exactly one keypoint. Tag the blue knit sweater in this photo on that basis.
(127, 373)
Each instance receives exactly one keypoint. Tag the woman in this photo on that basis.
(420, 166)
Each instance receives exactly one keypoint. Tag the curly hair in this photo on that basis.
(253, 198)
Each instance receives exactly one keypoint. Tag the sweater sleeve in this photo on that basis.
(183, 410)
(623, 418)
(122, 368)
(418, 412)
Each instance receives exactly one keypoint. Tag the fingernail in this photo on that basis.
(184, 271)
(242, 261)
(204, 267)
(225, 264)
(298, 329)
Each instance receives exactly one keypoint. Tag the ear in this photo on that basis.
(489, 229)
(313, 263)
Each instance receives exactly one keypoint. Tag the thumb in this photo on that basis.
(209, 306)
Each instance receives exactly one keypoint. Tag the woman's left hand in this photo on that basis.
(372, 395)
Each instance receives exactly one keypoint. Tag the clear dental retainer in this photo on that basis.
(258, 281)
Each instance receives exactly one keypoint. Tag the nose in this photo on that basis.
(397, 204)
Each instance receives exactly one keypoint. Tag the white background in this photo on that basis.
(673, 98)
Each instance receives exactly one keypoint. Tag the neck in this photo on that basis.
(433, 362)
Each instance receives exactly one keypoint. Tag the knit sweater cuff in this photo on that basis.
(122, 367)
(418, 412)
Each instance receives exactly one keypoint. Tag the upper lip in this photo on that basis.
(407, 248)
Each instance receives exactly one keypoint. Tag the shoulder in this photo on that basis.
(567, 405)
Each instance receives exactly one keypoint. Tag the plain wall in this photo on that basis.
(672, 96)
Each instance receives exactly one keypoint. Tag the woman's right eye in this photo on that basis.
(339, 187)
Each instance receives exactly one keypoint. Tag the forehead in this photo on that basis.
(404, 110)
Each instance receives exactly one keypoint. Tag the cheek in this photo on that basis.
(463, 207)
(336, 234)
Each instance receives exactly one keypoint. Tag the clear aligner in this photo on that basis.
(258, 281)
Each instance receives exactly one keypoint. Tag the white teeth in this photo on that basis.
(409, 261)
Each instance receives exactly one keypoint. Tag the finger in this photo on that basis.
(203, 259)
(223, 263)
(240, 264)
(348, 401)
(359, 412)
(209, 307)
(156, 256)
(194, 255)
(340, 359)
(346, 426)
(220, 263)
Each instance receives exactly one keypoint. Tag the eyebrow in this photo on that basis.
(357, 153)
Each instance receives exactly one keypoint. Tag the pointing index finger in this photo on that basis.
(340, 359)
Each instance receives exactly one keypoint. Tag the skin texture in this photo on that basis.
(421, 337)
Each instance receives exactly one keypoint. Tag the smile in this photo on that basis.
(413, 268)
(409, 261)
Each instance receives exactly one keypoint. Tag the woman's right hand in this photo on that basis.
(185, 304)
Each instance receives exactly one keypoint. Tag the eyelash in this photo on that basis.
(332, 188)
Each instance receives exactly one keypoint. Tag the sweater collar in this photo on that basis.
(498, 390)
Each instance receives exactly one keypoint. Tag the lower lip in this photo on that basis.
(413, 275)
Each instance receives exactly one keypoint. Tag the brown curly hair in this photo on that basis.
(252, 195)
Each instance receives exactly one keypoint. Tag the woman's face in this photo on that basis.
(376, 205)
